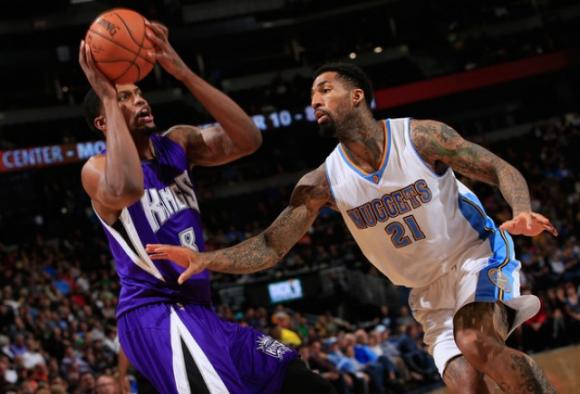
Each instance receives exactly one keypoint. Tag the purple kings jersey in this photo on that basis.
(167, 213)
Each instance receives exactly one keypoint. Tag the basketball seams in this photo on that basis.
(113, 61)
(138, 69)
(129, 30)
(140, 45)
(127, 70)
(120, 45)
(113, 41)
(124, 45)
(136, 54)
(140, 48)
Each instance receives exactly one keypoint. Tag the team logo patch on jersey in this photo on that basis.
(272, 347)
(498, 278)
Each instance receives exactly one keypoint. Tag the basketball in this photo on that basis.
(119, 45)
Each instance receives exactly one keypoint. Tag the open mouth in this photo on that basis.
(145, 115)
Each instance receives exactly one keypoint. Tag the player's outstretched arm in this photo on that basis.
(235, 137)
(438, 142)
(265, 249)
(115, 180)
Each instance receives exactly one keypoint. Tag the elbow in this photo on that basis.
(128, 193)
(258, 139)
(277, 255)
(127, 186)
(135, 192)
(254, 143)
(255, 138)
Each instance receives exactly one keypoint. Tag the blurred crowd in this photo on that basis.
(58, 295)
(380, 355)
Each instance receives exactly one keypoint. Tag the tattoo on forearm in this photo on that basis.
(267, 248)
(249, 256)
(514, 188)
(438, 143)
(262, 251)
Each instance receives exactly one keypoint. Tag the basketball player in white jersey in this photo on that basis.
(393, 181)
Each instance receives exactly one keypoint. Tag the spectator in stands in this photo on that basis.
(416, 358)
(106, 384)
(32, 356)
(18, 348)
(535, 329)
(404, 318)
(317, 361)
(573, 310)
(86, 384)
(282, 331)
(555, 309)
(301, 325)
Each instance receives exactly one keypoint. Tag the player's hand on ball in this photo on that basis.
(164, 52)
(530, 224)
(185, 257)
(100, 84)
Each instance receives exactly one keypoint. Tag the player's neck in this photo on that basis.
(364, 143)
(144, 146)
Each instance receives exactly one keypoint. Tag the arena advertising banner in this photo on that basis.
(54, 155)
(46, 156)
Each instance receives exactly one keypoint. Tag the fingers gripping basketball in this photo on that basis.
(119, 45)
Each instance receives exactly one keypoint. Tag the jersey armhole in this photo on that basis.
(409, 142)
(164, 138)
(329, 183)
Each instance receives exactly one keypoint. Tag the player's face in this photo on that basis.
(331, 101)
(135, 108)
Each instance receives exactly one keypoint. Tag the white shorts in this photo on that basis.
(489, 275)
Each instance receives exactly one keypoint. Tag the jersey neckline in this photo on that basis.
(376, 176)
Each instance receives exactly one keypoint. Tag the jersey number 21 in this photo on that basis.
(397, 231)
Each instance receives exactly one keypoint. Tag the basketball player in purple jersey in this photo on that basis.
(141, 191)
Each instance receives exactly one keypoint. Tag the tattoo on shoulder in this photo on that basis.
(438, 143)
(440, 134)
(312, 189)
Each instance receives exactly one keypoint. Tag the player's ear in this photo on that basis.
(358, 96)
(100, 123)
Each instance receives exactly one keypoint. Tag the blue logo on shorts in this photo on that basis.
(498, 278)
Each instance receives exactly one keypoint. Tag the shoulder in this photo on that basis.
(184, 135)
(313, 188)
(314, 177)
(424, 129)
(91, 176)
(91, 171)
(420, 128)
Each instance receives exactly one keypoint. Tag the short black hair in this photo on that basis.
(91, 108)
(351, 73)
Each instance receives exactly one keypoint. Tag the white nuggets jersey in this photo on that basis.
(411, 223)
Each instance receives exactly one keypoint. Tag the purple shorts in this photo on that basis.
(189, 349)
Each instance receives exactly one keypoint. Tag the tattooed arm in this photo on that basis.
(265, 249)
(441, 146)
